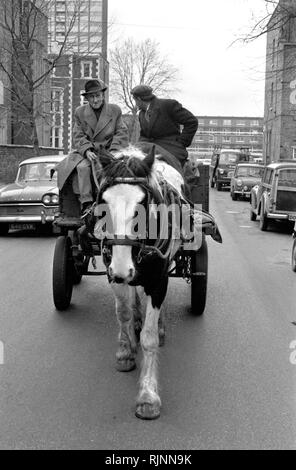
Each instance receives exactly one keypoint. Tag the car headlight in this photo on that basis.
(221, 171)
(239, 182)
(246, 188)
(55, 199)
(50, 199)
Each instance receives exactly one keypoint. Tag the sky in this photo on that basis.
(218, 75)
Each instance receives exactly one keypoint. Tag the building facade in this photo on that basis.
(83, 23)
(233, 132)
(280, 84)
(80, 28)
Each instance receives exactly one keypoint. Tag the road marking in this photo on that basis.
(245, 226)
(232, 212)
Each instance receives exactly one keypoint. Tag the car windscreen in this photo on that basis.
(228, 158)
(287, 177)
(37, 172)
(250, 172)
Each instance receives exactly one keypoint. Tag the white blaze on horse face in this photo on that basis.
(122, 200)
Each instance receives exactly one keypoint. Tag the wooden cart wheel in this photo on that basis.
(62, 273)
(293, 264)
(79, 266)
(199, 278)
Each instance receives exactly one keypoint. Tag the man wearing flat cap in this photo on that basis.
(161, 121)
(97, 124)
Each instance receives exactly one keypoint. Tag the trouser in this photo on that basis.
(82, 181)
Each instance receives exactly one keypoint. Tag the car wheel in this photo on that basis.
(199, 278)
(219, 186)
(233, 196)
(263, 223)
(4, 229)
(253, 216)
(293, 264)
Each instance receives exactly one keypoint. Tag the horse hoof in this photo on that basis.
(126, 365)
(147, 411)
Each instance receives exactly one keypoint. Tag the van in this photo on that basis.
(223, 163)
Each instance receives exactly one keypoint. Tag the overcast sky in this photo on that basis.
(196, 35)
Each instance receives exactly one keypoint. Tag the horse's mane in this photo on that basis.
(130, 162)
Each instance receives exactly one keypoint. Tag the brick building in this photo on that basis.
(227, 132)
(280, 84)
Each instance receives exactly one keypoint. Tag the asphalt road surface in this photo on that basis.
(227, 381)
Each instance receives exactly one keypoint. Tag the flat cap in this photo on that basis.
(144, 92)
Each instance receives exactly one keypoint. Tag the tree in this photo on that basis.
(277, 15)
(133, 64)
(25, 63)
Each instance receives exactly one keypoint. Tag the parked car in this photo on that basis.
(222, 166)
(275, 196)
(246, 175)
(33, 199)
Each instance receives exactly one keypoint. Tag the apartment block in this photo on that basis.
(228, 132)
(80, 27)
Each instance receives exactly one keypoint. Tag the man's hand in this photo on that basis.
(91, 156)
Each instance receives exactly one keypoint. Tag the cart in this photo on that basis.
(75, 250)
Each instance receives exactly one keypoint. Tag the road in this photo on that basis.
(226, 378)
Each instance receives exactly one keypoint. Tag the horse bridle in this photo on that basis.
(152, 195)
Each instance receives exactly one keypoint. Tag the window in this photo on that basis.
(268, 176)
(254, 123)
(57, 102)
(213, 122)
(83, 99)
(287, 178)
(226, 122)
(240, 139)
(86, 69)
(240, 123)
(226, 138)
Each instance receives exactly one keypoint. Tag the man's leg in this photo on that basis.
(84, 182)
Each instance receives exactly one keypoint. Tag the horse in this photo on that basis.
(137, 267)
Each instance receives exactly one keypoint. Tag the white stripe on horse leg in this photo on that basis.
(148, 394)
(124, 298)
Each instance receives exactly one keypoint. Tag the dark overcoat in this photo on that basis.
(162, 123)
(90, 133)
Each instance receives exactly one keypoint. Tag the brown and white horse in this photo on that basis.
(137, 267)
